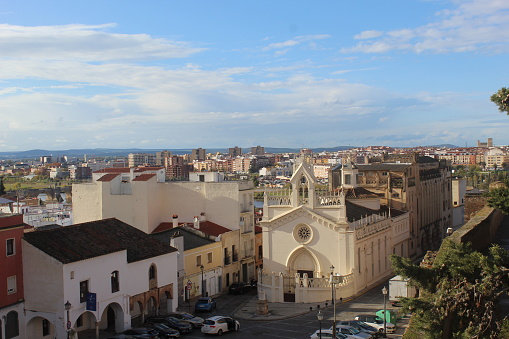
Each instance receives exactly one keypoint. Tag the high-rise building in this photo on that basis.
(160, 156)
(258, 150)
(141, 159)
(198, 154)
(235, 152)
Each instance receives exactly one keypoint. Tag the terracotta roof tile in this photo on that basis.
(108, 177)
(211, 228)
(144, 169)
(144, 177)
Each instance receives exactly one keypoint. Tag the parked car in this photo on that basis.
(352, 332)
(142, 332)
(327, 334)
(219, 324)
(121, 336)
(239, 288)
(376, 322)
(181, 326)
(166, 332)
(196, 322)
(205, 304)
(361, 326)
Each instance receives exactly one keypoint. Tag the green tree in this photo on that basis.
(459, 291)
(2, 187)
(498, 198)
(501, 99)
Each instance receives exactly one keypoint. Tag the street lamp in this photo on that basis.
(68, 307)
(384, 292)
(202, 287)
(319, 316)
(333, 301)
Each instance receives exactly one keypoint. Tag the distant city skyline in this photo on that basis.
(219, 74)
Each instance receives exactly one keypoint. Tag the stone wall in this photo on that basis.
(480, 230)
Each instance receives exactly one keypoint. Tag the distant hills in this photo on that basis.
(111, 152)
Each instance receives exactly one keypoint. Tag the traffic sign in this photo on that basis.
(189, 285)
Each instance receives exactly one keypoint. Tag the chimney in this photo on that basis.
(197, 223)
(175, 220)
(203, 217)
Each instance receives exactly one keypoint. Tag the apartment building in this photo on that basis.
(418, 184)
(141, 159)
(12, 314)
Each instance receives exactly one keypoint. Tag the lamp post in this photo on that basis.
(319, 316)
(384, 292)
(333, 300)
(202, 287)
(68, 307)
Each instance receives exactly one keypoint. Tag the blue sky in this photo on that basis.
(188, 74)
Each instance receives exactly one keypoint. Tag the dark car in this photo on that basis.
(361, 326)
(195, 321)
(239, 288)
(142, 332)
(204, 304)
(166, 332)
(181, 326)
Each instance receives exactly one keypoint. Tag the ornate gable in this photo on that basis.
(302, 211)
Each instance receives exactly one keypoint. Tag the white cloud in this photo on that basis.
(368, 35)
(296, 41)
(476, 25)
(86, 43)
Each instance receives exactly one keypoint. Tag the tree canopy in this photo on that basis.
(2, 187)
(501, 99)
(459, 291)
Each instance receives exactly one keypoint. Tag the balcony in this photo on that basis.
(235, 256)
(227, 260)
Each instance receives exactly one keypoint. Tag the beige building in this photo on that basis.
(496, 158)
(417, 184)
(311, 236)
(141, 159)
(145, 202)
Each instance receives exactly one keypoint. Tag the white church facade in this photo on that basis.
(311, 234)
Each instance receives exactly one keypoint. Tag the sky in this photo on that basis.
(188, 74)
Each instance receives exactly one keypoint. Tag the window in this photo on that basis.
(115, 285)
(9, 247)
(260, 252)
(209, 257)
(11, 284)
(198, 260)
(83, 291)
(45, 327)
(152, 272)
(348, 179)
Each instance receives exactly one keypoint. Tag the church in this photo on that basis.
(317, 240)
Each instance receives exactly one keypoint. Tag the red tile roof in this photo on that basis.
(144, 169)
(108, 177)
(144, 177)
(211, 228)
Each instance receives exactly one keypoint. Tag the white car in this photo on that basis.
(219, 324)
(327, 334)
(377, 323)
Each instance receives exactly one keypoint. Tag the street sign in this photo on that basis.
(189, 285)
(69, 325)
